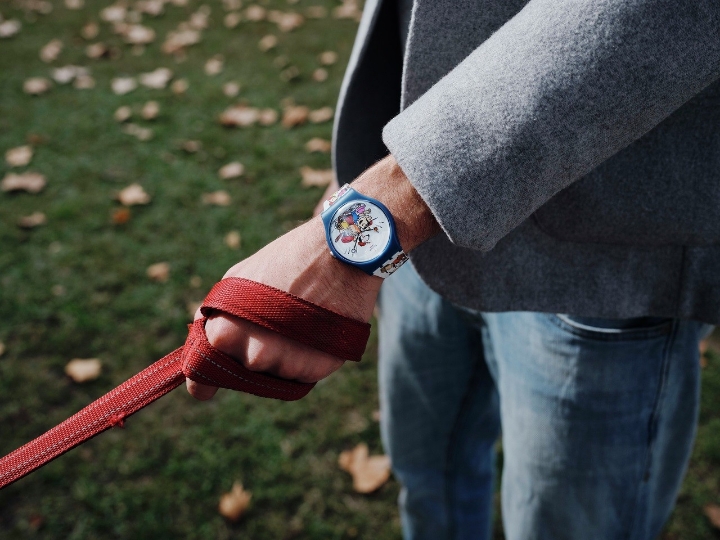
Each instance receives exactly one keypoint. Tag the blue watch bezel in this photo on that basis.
(393, 247)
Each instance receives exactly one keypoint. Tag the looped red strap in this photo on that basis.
(277, 310)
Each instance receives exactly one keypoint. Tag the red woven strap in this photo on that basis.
(277, 310)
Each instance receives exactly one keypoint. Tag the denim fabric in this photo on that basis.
(598, 417)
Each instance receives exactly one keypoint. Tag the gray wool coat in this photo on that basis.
(570, 149)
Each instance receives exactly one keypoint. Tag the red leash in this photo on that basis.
(272, 308)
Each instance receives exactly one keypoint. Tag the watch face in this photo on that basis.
(359, 231)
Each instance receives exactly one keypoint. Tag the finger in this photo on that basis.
(199, 391)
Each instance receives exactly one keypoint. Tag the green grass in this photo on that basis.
(162, 476)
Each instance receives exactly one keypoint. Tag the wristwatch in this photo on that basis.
(360, 231)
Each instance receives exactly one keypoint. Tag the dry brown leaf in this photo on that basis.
(38, 6)
(115, 13)
(122, 114)
(120, 216)
(137, 34)
(348, 10)
(90, 30)
(287, 22)
(239, 116)
(217, 198)
(84, 82)
(139, 132)
(19, 156)
(289, 74)
(123, 85)
(31, 182)
(196, 282)
(232, 239)
(231, 89)
(191, 146)
(294, 115)
(255, 13)
(33, 220)
(328, 58)
(96, 50)
(369, 473)
(231, 170)
(316, 12)
(268, 42)
(178, 40)
(9, 28)
(267, 117)
(200, 19)
(151, 7)
(321, 115)
(316, 177)
(51, 51)
(82, 370)
(281, 61)
(712, 511)
(150, 110)
(159, 272)
(179, 86)
(132, 195)
(36, 86)
(317, 144)
(214, 65)
(231, 20)
(74, 4)
(234, 504)
(232, 5)
(320, 75)
(66, 74)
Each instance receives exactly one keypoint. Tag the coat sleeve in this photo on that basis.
(558, 89)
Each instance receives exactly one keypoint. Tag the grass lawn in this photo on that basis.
(76, 287)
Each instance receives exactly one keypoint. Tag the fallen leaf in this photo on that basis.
(96, 50)
(36, 86)
(9, 28)
(268, 42)
(84, 82)
(51, 51)
(294, 115)
(137, 34)
(19, 156)
(348, 10)
(82, 370)
(239, 116)
(178, 40)
(122, 114)
(316, 177)
(199, 19)
(328, 58)
(376, 415)
(132, 195)
(232, 5)
(255, 13)
(316, 12)
(712, 511)
(74, 4)
(139, 132)
(150, 110)
(90, 30)
(214, 65)
(159, 272)
(231, 89)
(38, 6)
(320, 75)
(234, 504)
(31, 182)
(151, 7)
(179, 86)
(115, 13)
(289, 74)
(267, 117)
(369, 473)
(231, 170)
(232, 240)
(191, 146)
(196, 282)
(281, 61)
(321, 115)
(286, 22)
(123, 85)
(33, 220)
(120, 216)
(66, 74)
(217, 198)
(231, 20)
(317, 144)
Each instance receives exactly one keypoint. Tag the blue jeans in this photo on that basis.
(598, 417)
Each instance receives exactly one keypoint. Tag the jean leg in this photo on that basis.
(439, 412)
(598, 421)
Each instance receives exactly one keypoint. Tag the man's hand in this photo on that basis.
(299, 262)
